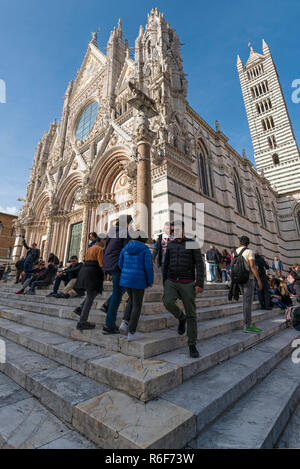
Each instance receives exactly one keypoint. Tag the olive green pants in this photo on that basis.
(185, 292)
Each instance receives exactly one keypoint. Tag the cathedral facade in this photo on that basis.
(127, 134)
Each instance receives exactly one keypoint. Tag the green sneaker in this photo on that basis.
(253, 329)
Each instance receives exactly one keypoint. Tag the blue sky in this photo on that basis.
(42, 45)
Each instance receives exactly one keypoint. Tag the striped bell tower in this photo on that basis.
(275, 149)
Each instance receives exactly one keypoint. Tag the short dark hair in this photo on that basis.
(74, 257)
(94, 234)
(244, 240)
(142, 238)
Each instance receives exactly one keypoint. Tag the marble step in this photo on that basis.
(27, 424)
(147, 322)
(143, 379)
(221, 386)
(148, 308)
(257, 420)
(150, 297)
(290, 437)
(105, 416)
(154, 343)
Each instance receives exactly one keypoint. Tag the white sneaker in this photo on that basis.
(124, 327)
(135, 336)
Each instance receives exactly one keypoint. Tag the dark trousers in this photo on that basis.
(133, 308)
(28, 266)
(264, 296)
(297, 287)
(38, 283)
(115, 299)
(58, 280)
(18, 273)
(186, 292)
(87, 305)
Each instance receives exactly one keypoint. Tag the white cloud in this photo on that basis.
(9, 210)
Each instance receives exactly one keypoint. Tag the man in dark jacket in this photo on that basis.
(20, 268)
(32, 257)
(213, 260)
(264, 297)
(116, 240)
(69, 277)
(45, 279)
(180, 281)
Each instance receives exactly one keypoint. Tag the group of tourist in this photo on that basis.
(124, 256)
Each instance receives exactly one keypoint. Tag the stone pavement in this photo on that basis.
(240, 392)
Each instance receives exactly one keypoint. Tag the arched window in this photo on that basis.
(275, 159)
(1, 227)
(238, 195)
(261, 208)
(204, 170)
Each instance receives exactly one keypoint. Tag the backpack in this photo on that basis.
(295, 317)
(239, 273)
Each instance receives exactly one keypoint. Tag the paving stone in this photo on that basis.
(290, 437)
(115, 420)
(28, 425)
(10, 392)
(72, 441)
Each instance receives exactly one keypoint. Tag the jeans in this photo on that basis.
(57, 282)
(133, 308)
(28, 266)
(248, 290)
(186, 292)
(38, 283)
(213, 271)
(115, 299)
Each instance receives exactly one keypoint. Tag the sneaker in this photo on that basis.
(20, 292)
(78, 311)
(110, 330)
(135, 336)
(104, 308)
(124, 327)
(181, 327)
(193, 351)
(84, 326)
(253, 329)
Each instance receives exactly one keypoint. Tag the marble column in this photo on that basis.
(48, 239)
(18, 245)
(85, 226)
(143, 139)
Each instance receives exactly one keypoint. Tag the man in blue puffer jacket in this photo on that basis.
(137, 274)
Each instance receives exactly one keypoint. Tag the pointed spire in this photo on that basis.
(265, 47)
(120, 24)
(239, 62)
(141, 32)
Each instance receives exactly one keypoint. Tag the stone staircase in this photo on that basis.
(105, 392)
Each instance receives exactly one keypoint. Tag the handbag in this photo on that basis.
(290, 279)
